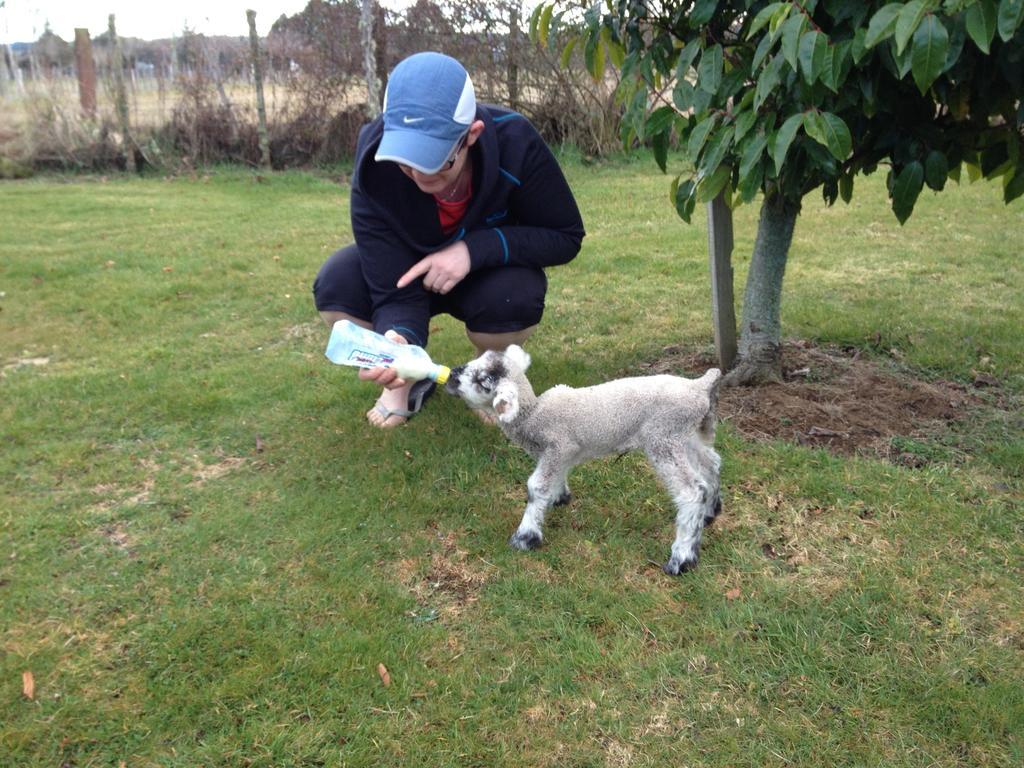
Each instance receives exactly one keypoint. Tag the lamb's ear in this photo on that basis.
(518, 355)
(506, 401)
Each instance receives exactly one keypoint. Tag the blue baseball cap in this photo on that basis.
(428, 105)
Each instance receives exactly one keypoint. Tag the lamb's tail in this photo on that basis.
(706, 430)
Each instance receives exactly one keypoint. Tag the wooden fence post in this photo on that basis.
(257, 76)
(85, 66)
(121, 96)
(723, 314)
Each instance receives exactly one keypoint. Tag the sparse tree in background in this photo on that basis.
(367, 13)
(257, 77)
(121, 96)
(777, 99)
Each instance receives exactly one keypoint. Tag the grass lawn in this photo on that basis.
(206, 554)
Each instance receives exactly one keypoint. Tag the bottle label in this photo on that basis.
(367, 359)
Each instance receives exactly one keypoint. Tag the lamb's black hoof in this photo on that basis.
(564, 499)
(715, 512)
(526, 541)
(676, 567)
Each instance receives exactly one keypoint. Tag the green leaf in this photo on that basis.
(882, 24)
(858, 50)
(1011, 13)
(686, 57)
(765, 16)
(785, 137)
(750, 184)
(534, 22)
(833, 74)
(660, 121)
(715, 151)
(830, 131)
(709, 187)
(567, 52)
(752, 153)
(904, 61)
(931, 42)
(593, 56)
(744, 122)
(684, 199)
(846, 187)
(544, 25)
(682, 95)
(699, 135)
(791, 31)
(763, 49)
(981, 23)
(996, 160)
(709, 73)
(775, 27)
(702, 12)
(907, 22)
(1014, 185)
(768, 81)
(659, 145)
(906, 189)
(812, 52)
(936, 170)
(616, 52)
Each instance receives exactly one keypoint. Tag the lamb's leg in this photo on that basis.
(692, 498)
(545, 488)
(711, 466)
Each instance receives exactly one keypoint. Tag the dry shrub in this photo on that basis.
(316, 75)
(55, 138)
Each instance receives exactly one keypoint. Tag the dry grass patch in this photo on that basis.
(447, 585)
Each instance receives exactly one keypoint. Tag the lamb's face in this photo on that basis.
(487, 382)
(477, 381)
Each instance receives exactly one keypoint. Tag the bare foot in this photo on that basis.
(391, 408)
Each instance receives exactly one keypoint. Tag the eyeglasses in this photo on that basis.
(455, 155)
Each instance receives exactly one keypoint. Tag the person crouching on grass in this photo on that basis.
(457, 208)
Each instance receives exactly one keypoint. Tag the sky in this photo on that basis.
(23, 21)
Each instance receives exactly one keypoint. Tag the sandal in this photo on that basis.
(418, 395)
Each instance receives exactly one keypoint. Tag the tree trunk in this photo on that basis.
(760, 346)
(257, 76)
(513, 58)
(121, 96)
(380, 44)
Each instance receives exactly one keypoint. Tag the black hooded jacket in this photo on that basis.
(521, 213)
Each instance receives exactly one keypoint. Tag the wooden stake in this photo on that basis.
(723, 313)
(85, 66)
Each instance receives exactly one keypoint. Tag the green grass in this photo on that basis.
(185, 599)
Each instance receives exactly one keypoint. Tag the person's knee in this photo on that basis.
(330, 317)
(498, 341)
(504, 300)
(339, 290)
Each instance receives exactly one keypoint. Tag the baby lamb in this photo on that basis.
(671, 419)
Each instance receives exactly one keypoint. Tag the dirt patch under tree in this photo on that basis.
(833, 398)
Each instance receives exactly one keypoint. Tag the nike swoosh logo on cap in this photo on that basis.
(408, 119)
